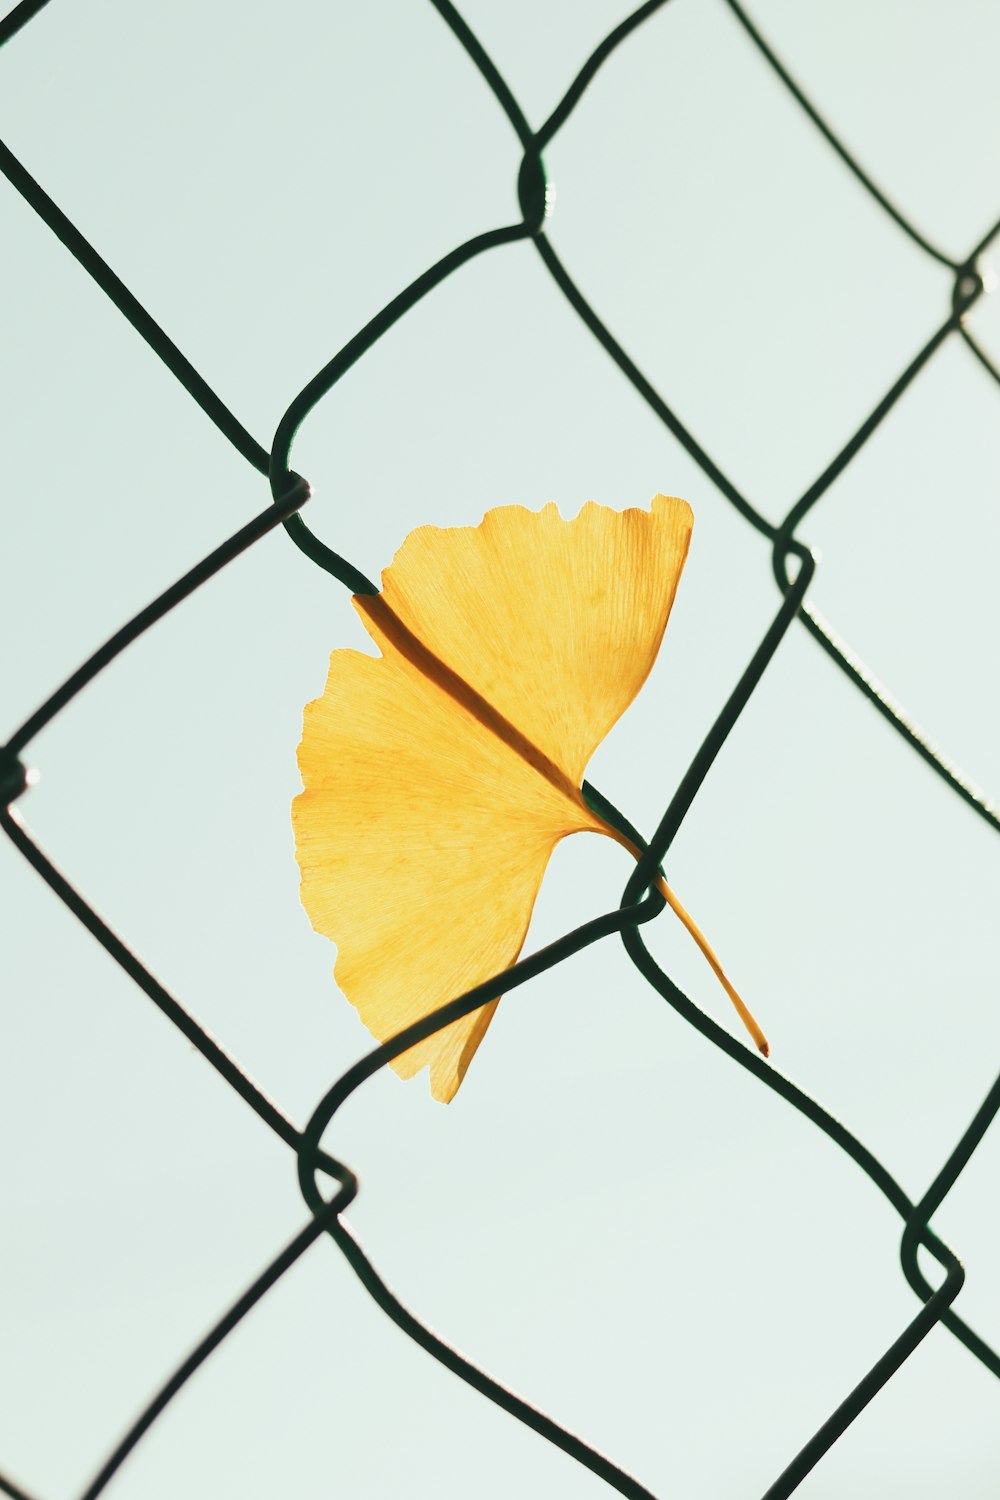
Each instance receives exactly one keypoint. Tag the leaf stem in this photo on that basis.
(760, 1040)
(742, 1010)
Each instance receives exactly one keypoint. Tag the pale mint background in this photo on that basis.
(612, 1216)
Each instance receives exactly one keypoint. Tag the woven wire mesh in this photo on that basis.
(328, 1184)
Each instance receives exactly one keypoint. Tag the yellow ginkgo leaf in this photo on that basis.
(439, 777)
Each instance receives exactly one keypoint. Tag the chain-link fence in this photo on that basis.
(329, 1185)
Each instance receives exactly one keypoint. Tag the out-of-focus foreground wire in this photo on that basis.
(793, 567)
